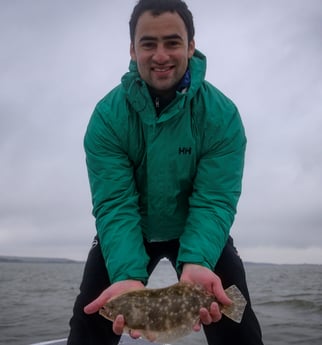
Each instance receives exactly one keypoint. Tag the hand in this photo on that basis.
(203, 276)
(114, 290)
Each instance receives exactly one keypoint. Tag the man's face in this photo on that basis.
(161, 50)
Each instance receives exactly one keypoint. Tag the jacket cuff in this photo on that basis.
(196, 260)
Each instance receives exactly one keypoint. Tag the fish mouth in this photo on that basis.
(105, 312)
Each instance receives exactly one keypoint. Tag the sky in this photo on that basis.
(58, 58)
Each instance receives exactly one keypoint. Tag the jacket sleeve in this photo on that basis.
(216, 190)
(115, 199)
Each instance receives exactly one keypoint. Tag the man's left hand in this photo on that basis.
(204, 277)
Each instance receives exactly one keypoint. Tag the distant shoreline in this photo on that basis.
(23, 259)
(26, 259)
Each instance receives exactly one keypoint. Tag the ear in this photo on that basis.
(191, 48)
(132, 52)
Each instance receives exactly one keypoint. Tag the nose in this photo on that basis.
(160, 56)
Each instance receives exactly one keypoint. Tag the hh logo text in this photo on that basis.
(185, 150)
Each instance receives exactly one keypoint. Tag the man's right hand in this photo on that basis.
(114, 290)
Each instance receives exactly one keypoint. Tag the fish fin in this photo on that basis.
(149, 335)
(236, 310)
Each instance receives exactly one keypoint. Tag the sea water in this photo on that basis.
(37, 299)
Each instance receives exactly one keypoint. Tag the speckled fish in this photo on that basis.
(166, 314)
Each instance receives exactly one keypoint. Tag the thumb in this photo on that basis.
(224, 299)
(221, 295)
(98, 303)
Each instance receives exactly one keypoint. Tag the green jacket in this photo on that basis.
(177, 176)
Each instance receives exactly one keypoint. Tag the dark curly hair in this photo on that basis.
(157, 7)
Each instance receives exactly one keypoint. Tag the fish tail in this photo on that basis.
(236, 310)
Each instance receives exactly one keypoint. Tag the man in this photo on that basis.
(165, 153)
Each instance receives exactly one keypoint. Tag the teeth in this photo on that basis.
(161, 69)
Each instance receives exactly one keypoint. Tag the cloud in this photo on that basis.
(61, 57)
(271, 56)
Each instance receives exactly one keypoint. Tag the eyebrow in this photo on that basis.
(164, 38)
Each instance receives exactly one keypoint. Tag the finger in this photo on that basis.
(118, 325)
(197, 326)
(134, 334)
(205, 316)
(215, 313)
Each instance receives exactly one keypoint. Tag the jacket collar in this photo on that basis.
(139, 97)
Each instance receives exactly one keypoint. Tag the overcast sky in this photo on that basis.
(58, 58)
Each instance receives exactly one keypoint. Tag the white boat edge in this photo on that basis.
(126, 341)
(52, 342)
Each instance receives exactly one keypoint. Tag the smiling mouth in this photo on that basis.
(162, 69)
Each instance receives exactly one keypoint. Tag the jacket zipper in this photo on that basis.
(157, 106)
(157, 102)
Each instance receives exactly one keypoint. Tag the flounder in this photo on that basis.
(166, 314)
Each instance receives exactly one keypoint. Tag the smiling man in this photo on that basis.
(165, 154)
(161, 50)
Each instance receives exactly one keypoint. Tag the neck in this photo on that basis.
(167, 95)
(161, 100)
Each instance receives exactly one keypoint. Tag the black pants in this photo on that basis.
(95, 330)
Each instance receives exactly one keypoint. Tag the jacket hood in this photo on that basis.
(138, 95)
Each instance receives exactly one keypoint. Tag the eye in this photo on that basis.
(173, 44)
(148, 45)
